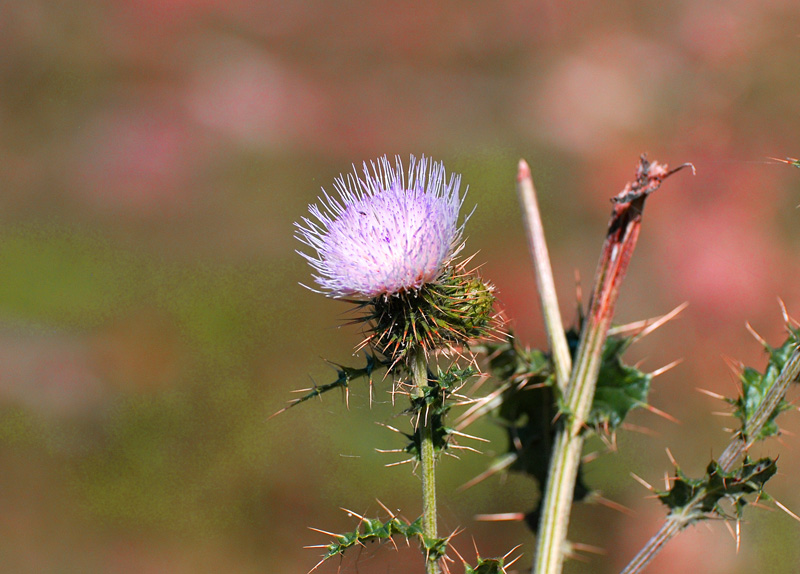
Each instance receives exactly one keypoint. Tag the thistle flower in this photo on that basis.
(388, 243)
(385, 234)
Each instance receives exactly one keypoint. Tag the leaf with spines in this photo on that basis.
(344, 376)
(486, 566)
(433, 405)
(620, 387)
(440, 435)
(755, 386)
(435, 548)
(699, 498)
(370, 530)
(439, 389)
(375, 530)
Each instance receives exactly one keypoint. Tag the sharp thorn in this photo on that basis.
(513, 561)
(665, 368)
(671, 458)
(712, 394)
(331, 534)
(786, 510)
(603, 501)
(642, 481)
(662, 414)
(588, 548)
(755, 335)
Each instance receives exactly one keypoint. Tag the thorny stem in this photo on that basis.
(742, 442)
(739, 445)
(668, 530)
(623, 232)
(544, 276)
(427, 458)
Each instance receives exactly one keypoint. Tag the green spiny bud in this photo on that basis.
(443, 314)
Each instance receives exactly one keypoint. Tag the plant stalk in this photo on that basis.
(568, 445)
(544, 276)
(427, 459)
(621, 238)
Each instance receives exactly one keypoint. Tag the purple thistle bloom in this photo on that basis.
(386, 233)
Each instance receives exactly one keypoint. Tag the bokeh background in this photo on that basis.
(154, 156)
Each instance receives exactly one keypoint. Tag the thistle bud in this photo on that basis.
(448, 312)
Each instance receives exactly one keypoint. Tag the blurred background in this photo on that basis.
(154, 156)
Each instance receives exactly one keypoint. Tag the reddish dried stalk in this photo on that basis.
(623, 233)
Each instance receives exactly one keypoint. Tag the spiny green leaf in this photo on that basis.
(435, 547)
(344, 376)
(756, 385)
(433, 405)
(438, 390)
(372, 529)
(486, 566)
(620, 387)
(701, 497)
(454, 378)
(441, 437)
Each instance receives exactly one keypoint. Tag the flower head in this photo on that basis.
(386, 233)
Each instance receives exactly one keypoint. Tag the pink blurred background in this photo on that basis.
(154, 156)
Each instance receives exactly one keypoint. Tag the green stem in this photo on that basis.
(667, 532)
(427, 459)
(544, 276)
(568, 445)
